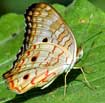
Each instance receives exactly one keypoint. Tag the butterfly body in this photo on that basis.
(49, 50)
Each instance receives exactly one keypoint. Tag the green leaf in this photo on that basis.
(11, 38)
(87, 24)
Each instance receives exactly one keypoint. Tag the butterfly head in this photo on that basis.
(79, 54)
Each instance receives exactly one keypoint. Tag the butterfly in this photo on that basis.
(49, 50)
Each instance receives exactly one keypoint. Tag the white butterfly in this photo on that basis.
(49, 50)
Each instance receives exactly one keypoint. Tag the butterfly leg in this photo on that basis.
(87, 82)
(65, 82)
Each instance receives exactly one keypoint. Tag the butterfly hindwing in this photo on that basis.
(39, 65)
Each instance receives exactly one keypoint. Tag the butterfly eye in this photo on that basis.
(45, 40)
(33, 59)
(26, 77)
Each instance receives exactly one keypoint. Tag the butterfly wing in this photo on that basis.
(49, 47)
(44, 24)
(39, 65)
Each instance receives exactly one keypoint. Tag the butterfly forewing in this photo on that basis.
(49, 48)
(44, 24)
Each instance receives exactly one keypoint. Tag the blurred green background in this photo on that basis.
(19, 6)
(83, 18)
